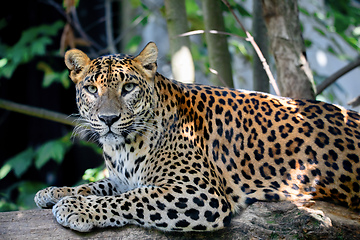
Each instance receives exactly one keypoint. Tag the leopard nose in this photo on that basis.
(109, 119)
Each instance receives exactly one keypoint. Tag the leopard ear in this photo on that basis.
(147, 58)
(77, 62)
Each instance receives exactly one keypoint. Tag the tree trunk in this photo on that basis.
(181, 60)
(260, 79)
(109, 27)
(125, 17)
(217, 45)
(293, 72)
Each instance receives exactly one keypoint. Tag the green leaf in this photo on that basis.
(3, 62)
(33, 42)
(94, 174)
(19, 163)
(321, 32)
(133, 43)
(304, 11)
(307, 43)
(64, 79)
(27, 190)
(135, 3)
(192, 7)
(44, 154)
(243, 12)
(4, 170)
(7, 206)
(51, 77)
(331, 50)
(7, 70)
(3, 23)
(38, 47)
(53, 150)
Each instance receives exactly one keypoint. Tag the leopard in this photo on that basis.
(189, 157)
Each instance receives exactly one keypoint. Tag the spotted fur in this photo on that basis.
(185, 157)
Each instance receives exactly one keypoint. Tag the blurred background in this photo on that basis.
(34, 34)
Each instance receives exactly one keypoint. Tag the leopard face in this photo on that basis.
(186, 157)
(115, 101)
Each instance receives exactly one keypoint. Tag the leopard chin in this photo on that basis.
(111, 138)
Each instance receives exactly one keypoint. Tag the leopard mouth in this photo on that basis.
(112, 138)
(113, 135)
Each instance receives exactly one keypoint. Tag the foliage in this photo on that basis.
(26, 191)
(53, 150)
(95, 174)
(133, 43)
(50, 76)
(32, 43)
(19, 164)
(341, 18)
(25, 196)
(346, 21)
(338, 22)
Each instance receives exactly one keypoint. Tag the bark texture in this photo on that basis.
(181, 60)
(293, 72)
(262, 220)
(217, 45)
(260, 79)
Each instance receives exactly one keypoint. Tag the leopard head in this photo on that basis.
(114, 93)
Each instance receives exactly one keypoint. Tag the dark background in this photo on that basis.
(18, 131)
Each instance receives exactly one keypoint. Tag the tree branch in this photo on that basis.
(38, 112)
(257, 49)
(195, 32)
(108, 24)
(330, 80)
(74, 22)
(131, 26)
(78, 27)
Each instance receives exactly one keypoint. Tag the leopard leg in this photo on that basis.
(170, 207)
(48, 197)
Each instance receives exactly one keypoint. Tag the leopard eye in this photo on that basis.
(128, 87)
(91, 89)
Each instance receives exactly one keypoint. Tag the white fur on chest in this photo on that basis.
(121, 166)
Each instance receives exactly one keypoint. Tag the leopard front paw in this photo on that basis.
(48, 197)
(76, 213)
